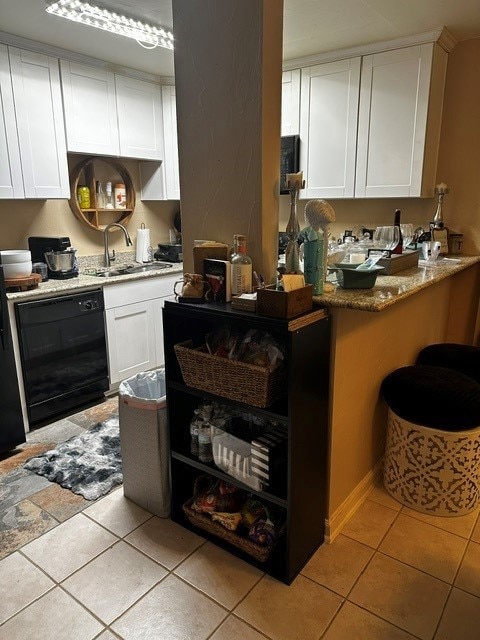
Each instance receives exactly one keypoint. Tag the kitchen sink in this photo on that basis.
(127, 269)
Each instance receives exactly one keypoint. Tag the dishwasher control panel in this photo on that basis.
(91, 304)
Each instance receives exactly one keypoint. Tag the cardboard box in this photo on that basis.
(284, 304)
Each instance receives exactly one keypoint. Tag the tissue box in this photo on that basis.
(284, 304)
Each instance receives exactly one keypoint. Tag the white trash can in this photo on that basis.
(144, 441)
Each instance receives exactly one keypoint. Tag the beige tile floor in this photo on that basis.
(115, 571)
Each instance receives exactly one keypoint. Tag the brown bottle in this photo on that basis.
(399, 247)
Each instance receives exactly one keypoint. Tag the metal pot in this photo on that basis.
(61, 260)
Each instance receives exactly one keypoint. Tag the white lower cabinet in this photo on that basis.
(133, 317)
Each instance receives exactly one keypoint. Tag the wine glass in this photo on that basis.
(386, 238)
(407, 234)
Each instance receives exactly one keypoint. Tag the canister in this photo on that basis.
(120, 196)
(83, 197)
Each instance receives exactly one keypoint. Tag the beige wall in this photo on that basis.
(20, 219)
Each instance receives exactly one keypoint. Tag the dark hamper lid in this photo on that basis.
(464, 358)
(434, 397)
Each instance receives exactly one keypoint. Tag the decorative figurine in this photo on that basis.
(441, 191)
(294, 182)
(319, 214)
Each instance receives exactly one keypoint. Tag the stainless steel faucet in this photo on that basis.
(107, 258)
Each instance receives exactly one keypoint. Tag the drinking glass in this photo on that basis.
(386, 238)
(407, 234)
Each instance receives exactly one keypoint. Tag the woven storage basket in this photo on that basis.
(203, 521)
(231, 379)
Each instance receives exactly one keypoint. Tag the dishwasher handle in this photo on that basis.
(6, 341)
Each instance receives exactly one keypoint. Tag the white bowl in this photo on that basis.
(17, 269)
(15, 256)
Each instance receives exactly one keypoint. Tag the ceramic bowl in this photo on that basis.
(15, 256)
(17, 269)
(349, 277)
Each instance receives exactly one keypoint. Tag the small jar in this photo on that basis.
(120, 195)
(83, 197)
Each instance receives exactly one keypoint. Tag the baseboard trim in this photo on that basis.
(345, 511)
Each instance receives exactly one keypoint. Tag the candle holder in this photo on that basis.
(441, 191)
(294, 182)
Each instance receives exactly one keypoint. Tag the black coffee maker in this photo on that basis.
(39, 245)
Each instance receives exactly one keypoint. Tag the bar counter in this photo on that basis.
(389, 290)
(418, 306)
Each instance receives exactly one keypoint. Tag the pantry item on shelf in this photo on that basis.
(120, 196)
(99, 195)
(255, 347)
(263, 532)
(108, 196)
(229, 520)
(83, 196)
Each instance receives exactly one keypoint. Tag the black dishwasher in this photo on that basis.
(63, 353)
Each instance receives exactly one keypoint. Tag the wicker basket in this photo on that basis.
(203, 521)
(235, 380)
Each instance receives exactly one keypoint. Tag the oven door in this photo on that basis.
(63, 353)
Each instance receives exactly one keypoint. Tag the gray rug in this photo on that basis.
(89, 464)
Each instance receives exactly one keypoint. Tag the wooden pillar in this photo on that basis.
(228, 66)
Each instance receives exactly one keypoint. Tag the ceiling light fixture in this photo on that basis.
(145, 34)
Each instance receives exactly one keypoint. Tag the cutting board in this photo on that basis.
(23, 284)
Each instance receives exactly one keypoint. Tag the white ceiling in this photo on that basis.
(310, 26)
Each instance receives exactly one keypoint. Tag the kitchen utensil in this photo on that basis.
(17, 270)
(40, 245)
(349, 277)
(14, 256)
(41, 269)
(61, 261)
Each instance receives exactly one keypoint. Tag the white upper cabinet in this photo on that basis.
(112, 115)
(172, 176)
(90, 109)
(161, 180)
(290, 102)
(40, 127)
(139, 108)
(11, 181)
(328, 128)
(399, 122)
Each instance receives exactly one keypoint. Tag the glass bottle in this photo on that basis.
(100, 195)
(241, 266)
(108, 196)
(399, 247)
(205, 450)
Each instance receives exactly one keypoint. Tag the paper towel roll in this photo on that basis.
(143, 242)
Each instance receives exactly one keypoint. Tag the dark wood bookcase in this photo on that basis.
(302, 410)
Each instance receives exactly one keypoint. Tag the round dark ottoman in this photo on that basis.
(463, 358)
(432, 456)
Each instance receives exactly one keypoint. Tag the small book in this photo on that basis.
(217, 274)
